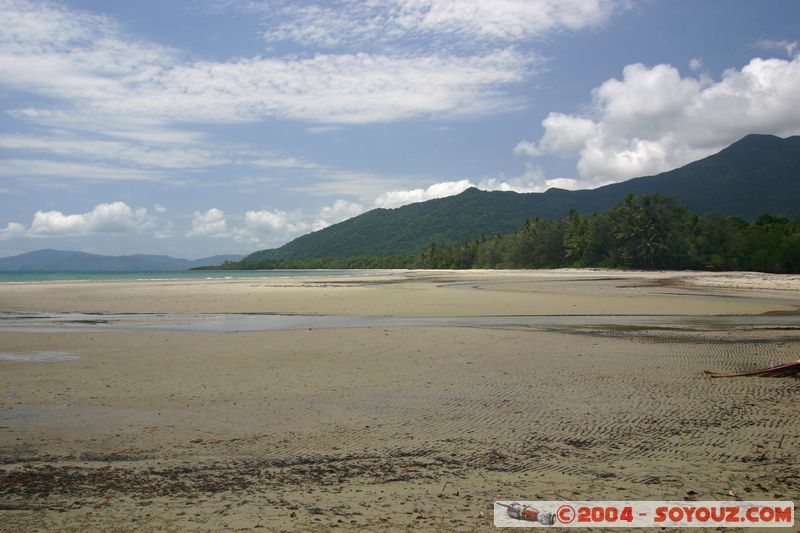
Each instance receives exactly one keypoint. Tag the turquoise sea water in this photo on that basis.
(39, 277)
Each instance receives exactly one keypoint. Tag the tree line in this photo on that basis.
(641, 232)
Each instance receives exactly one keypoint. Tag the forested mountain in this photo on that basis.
(757, 175)
(642, 232)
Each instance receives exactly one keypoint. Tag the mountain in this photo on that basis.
(63, 261)
(756, 175)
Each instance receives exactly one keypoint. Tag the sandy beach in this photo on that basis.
(384, 426)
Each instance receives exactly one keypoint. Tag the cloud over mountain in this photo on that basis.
(654, 119)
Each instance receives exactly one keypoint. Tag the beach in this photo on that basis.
(392, 400)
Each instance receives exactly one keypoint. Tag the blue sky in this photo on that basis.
(199, 127)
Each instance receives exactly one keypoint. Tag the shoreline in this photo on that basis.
(421, 293)
(765, 279)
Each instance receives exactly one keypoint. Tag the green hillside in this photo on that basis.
(756, 175)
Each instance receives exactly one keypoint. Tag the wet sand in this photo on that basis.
(387, 428)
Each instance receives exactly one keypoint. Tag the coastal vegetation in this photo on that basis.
(641, 232)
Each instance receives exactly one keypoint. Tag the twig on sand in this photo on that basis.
(785, 369)
(731, 491)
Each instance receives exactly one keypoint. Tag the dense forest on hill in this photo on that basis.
(641, 232)
(755, 175)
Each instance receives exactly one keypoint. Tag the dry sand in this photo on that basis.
(391, 428)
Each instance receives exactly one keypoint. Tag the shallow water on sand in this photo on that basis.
(242, 322)
(39, 357)
(44, 277)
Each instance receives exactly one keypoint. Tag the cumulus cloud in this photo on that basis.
(271, 227)
(115, 217)
(336, 212)
(696, 63)
(653, 119)
(437, 190)
(531, 181)
(12, 230)
(211, 223)
(269, 220)
(267, 227)
(527, 148)
(564, 135)
(470, 23)
(266, 220)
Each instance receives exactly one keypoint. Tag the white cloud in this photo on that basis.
(41, 168)
(140, 154)
(393, 199)
(211, 223)
(283, 162)
(696, 63)
(527, 148)
(355, 183)
(569, 184)
(336, 212)
(88, 62)
(323, 129)
(266, 228)
(470, 23)
(564, 135)
(274, 227)
(115, 217)
(654, 120)
(790, 47)
(276, 220)
(531, 181)
(12, 230)
(151, 130)
(345, 88)
(296, 222)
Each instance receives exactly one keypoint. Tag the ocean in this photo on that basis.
(43, 277)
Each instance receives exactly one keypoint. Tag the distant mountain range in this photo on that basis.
(760, 174)
(64, 261)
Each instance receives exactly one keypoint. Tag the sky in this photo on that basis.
(201, 127)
